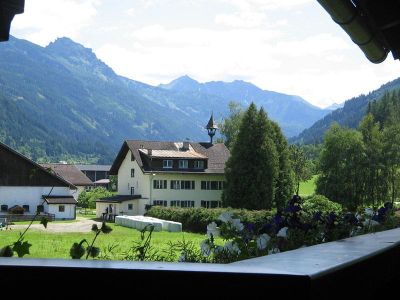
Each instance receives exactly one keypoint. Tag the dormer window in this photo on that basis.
(199, 164)
(183, 164)
(167, 164)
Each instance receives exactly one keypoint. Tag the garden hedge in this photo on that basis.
(197, 219)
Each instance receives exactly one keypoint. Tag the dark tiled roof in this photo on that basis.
(105, 168)
(217, 154)
(69, 173)
(119, 198)
(59, 199)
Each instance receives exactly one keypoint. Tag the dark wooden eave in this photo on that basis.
(18, 170)
(8, 9)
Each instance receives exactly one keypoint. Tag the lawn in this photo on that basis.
(307, 188)
(57, 245)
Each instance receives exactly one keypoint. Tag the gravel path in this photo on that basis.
(81, 225)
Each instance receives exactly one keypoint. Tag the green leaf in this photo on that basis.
(6, 252)
(95, 228)
(44, 221)
(105, 228)
(22, 248)
(77, 251)
(93, 251)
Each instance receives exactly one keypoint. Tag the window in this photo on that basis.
(182, 185)
(211, 204)
(4, 208)
(25, 207)
(212, 185)
(182, 203)
(61, 208)
(187, 185)
(130, 206)
(132, 172)
(132, 157)
(175, 185)
(183, 164)
(160, 184)
(160, 202)
(167, 163)
(199, 164)
(132, 191)
(40, 208)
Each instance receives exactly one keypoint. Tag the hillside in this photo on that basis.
(349, 115)
(61, 102)
(292, 113)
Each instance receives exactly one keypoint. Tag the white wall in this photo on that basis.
(77, 192)
(140, 182)
(32, 196)
(69, 212)
(197, 194)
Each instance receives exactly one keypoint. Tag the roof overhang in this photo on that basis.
(372, 25)
(119, 198)
(59, 199)
(8, 9)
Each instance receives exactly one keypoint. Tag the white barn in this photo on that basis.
(26, 185)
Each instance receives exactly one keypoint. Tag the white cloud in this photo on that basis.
(262, 41)
(263, 5)
(241, 19)
(45, 20)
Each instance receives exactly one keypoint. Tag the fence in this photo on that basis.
(17, 218)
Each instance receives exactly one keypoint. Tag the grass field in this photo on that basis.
(57, 245)
(307, 188)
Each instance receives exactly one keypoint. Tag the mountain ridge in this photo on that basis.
(61, 102)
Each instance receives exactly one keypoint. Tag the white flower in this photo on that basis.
(213, 229)
(225, 216)
(232, 247)
(262, 241)
(237, 224)
(205, 247)
(369, 212)
(273, 251)
(370, 223)
(282, 232)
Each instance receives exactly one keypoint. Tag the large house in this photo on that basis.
(182, 174)
(25, 184)
(72, 174)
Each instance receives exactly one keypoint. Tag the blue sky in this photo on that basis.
(288, 46)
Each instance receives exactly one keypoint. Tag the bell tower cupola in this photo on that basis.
(211, 128)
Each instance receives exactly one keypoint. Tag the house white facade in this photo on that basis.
(166, 174)
(28, 187)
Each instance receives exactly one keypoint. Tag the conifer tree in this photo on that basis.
(284, 179)
(258, 171)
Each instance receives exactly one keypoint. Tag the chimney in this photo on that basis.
(149, 152)
(185, 146)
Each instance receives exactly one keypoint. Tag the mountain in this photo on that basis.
(334, 106)
(349, 115)
(61, 102)
(293, 113)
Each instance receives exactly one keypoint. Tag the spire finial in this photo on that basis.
(211, 127)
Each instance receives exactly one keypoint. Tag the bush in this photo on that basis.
(319, 203)
(87, 199)
(16, 210)
(197, 219)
